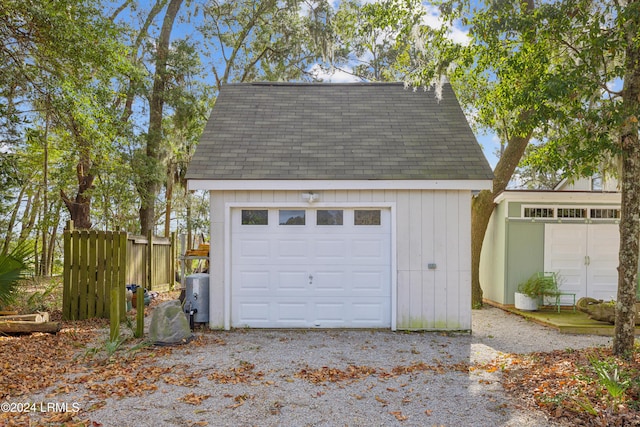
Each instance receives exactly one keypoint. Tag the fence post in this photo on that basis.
(122, 274)
(92, 275)
(83, 287)
(66, 280)
(101, 281)
(172, 262)
(74, 300)
(149, 283)
(139, 312)
(114, 315)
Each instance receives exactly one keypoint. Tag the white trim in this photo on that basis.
(346, 205)
(394, 269)
(308, 185)
(227, 268)
(560, 184)
(585, 197)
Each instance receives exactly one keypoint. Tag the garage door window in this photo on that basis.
(329, 217)
(292, 217)
(366, 217)
(255, 217)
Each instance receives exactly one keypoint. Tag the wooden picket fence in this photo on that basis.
(95, 262)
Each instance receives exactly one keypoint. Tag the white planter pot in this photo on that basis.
(525, 302)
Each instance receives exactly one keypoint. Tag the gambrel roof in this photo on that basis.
(320, 131)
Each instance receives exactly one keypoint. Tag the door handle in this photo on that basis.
(587, 260)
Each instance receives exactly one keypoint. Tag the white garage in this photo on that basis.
(339, 206)
(293, 267)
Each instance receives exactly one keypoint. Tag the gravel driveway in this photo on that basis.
(339, 378)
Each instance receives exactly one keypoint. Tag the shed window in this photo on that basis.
(538, 212)
(366, 217)
(605, 213)
(255, 217)
(329, 217)
(292, 217)
(572, 213)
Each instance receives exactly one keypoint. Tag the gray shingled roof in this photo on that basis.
(289, 131)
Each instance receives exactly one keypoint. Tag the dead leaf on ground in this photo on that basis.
(381, 400)
(399, 416)
(195, 399)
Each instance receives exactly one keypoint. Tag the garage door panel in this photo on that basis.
(330, 313)
(291, 280)
(251, 313)
(291, 311)
(368, 250)
(370, 281)
(292, 249)
(330, 249)
(365, 313)
(254, 280)
(253, 249)
(330, 281)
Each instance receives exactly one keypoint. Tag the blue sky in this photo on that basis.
(488, 141)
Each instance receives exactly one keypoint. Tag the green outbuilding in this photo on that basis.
(572, 231)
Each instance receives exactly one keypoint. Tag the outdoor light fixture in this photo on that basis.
(309, 197)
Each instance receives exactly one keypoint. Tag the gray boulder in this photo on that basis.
(169, 324)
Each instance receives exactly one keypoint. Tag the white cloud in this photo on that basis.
(434, 20)
(333, 76)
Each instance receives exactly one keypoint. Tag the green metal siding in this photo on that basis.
(515, 209)
(524, 255)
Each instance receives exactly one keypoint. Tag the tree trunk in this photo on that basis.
(628, 264)
(29, 215)
(169, 196)
(12, 222)
(482, 207)
(150, 185)
(80, 208)
(623, 340)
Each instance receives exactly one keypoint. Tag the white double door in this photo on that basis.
(585, 256)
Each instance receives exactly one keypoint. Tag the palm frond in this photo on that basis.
(13, 267)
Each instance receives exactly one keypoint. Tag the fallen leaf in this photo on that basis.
(194, 399)
(381, 400)
(399, 416)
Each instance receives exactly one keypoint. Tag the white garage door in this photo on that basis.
(310, 268)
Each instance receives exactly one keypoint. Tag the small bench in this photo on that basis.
(558, 295)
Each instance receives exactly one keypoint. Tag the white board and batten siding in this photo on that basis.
(429, 269)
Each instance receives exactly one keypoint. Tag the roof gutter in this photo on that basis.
(224, 185)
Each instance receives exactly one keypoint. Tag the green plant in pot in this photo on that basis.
(531, 290)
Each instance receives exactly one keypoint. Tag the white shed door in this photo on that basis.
(299, 268)
(585, 256)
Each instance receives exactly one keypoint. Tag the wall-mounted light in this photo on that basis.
(309, 197)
